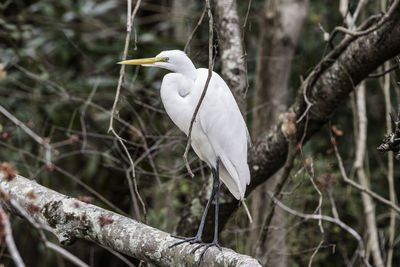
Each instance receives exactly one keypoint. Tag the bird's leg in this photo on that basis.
(216, 187)
(197, 237)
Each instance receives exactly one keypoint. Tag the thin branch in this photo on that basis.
(66, 254)
(388, 70)
(367, 31)
(129, 23)
(119, 256)
(9, 240)
(130, 20)
(319, 210)
(203, 94)
(135, 186)
(29, 132)
(335, 221)
(195, 29)
(356, 185)
(88, 188)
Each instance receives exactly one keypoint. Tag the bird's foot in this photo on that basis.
(205, 247)
(201, 244)
(191, 240)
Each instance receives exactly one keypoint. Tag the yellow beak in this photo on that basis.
(141, 61)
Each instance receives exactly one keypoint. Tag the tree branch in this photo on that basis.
(326, 87)
(69, 219)
(8, 238)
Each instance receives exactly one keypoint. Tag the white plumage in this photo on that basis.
(219, 130)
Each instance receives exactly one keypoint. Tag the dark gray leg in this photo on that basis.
(216, 188)
(197, 239)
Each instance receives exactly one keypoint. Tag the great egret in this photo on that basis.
(219, 134)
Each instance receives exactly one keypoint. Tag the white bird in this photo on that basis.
(219, 134)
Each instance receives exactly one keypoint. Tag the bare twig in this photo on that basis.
(137, 193)
(367, 31)
(333, 205)
(356, 185)
(351, 231)
(83, 114)
(203, 94)
(29, 132)
(244, 46)
(383, 73)
(195, 29)
(319, 210)
(88, 188)
(9, 240)
(130, 20)
(66, 254)
(119, 256)
(129, 23)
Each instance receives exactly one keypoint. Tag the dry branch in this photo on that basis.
(70, 219)
(8, 239)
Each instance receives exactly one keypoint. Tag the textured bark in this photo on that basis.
(327, 86)
(69, 219)
(280, 27)
(391, 142)
(231, 48)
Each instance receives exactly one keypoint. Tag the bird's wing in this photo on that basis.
(226, 130)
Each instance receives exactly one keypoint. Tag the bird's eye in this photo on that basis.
(164, 59)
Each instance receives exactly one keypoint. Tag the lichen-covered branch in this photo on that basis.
(70, 219)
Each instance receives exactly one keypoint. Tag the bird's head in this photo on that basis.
(173, 60)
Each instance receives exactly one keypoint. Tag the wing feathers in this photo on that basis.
(227, 133)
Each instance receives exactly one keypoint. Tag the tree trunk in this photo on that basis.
(233, 59)
(280, 27)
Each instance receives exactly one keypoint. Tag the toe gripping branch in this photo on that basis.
(391, 142)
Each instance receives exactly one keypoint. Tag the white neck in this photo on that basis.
(182, 65)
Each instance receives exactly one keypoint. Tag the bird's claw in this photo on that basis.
(207, 246)
(196, 240)
(191, 240)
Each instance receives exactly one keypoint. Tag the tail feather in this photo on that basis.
(229, 182)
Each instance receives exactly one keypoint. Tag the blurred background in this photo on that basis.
(59, 77)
